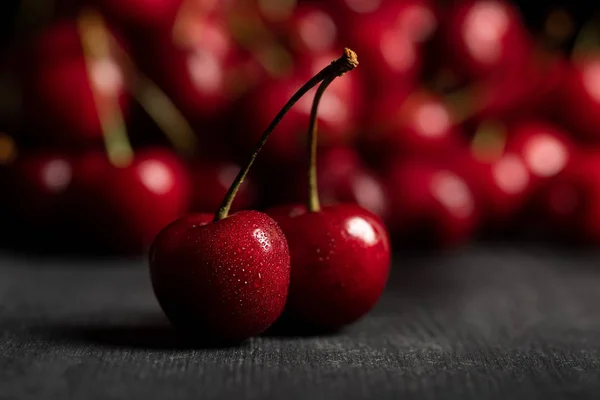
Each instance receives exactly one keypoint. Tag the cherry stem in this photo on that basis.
(96, 46)
(313, 190)
(338, 67)
(158, 106)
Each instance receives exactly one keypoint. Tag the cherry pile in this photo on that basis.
(459, 122)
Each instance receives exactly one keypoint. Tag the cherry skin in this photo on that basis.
(545, 149)
(579, 98)
(200, 69)
(430, 204)
(501, 186)
(311, 29)
(398, 126)
(125, 207)
(484, 38)
(210, 182)
(59, 101)
(221, 281)
(340, 263)
(393, 48)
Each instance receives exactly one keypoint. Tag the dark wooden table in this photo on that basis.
(487, 322)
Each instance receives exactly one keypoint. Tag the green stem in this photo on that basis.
(347, 62)
(95, 43)
(158, 106)
(313, 190)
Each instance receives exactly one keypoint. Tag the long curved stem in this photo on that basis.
(96, 46)
(347, 62)
(313, 190)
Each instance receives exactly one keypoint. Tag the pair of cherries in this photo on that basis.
(229, 277)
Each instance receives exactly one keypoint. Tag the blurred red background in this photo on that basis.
(466, 119)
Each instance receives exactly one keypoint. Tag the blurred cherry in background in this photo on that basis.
(465, 118)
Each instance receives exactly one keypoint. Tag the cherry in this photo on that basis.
(310, 29)
(340, 262)
(545, 149)
(501, 186)
(579, 98)
(430, 204)
(521, 93)
(242, 261)
(124, 207)
(63, 90)
(199, 69)
(340, 254)
(400, 126)
(392, 43)
(226, 278)
(210, 183)
(484, 38)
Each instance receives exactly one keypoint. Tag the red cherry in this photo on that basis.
(225, 280)
(580, 98)
(310, 29)
(416, 18)
(545, 149)
(391, 43)
(59, 97)
(198, 69)
(210, 182)
(340, 262)
(529, 91)
(501, 186)
(125, 207)
(398, 126)
(485, 37)
(430, 204)
(228, 279)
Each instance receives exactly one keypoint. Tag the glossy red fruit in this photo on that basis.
(310, 29)
(223, 281)
(430, 204)
(580, 98)
(340, 263)
(210, 183)
(390, 38)
(200, 68)
(545, 149)
(485, 37)
(501, 186)
(415, 18)
(123, 208)
(398, 126)
(530, 91)
(342, 178)
(59, 97)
